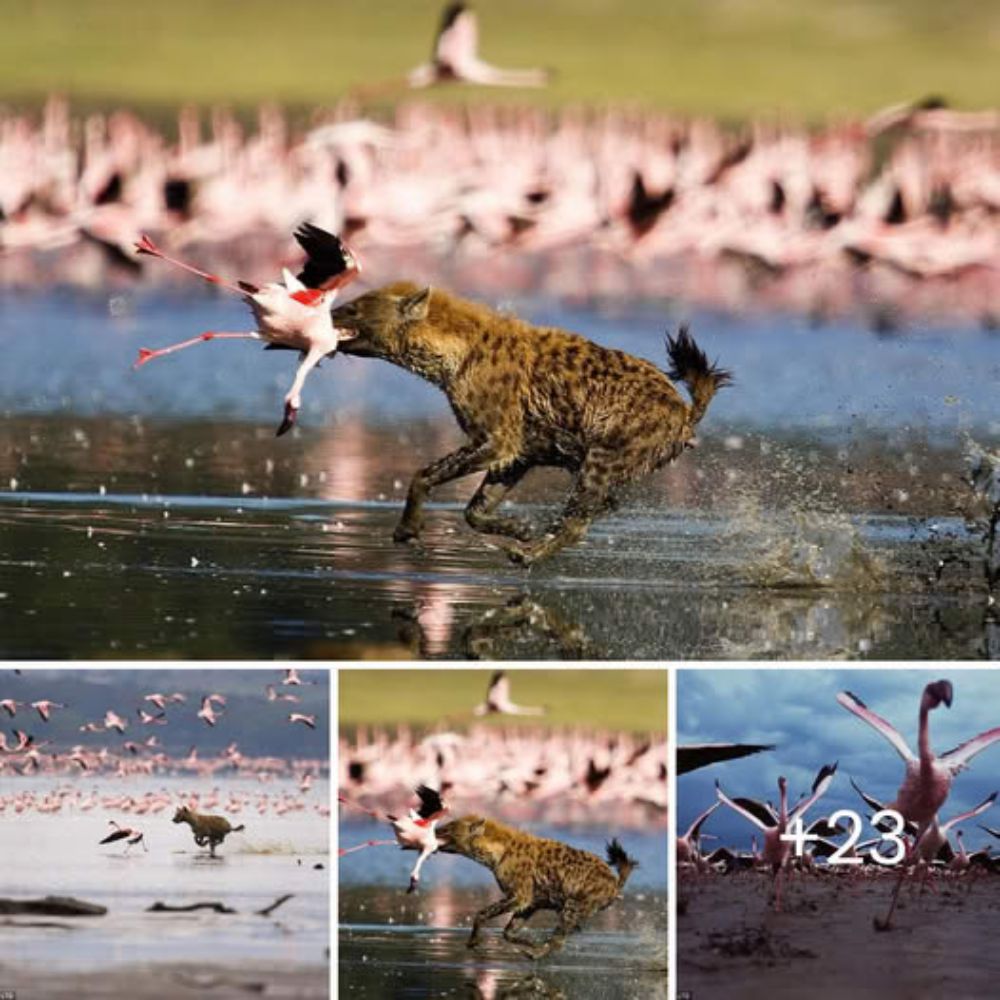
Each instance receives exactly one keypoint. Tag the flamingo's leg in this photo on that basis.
(147, 246)
(293, 400)
(146, 354)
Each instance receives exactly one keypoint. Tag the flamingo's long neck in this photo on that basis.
(926, 756)
(783, 804)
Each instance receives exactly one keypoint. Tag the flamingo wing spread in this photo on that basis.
(756, 812)
(854, 704)
(957, 759)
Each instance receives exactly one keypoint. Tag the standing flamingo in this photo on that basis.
(498, 699)
(688, 846)
(928, 778)
(777, 852)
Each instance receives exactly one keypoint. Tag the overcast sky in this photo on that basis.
(797, 710)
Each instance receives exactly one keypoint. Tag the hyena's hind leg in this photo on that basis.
(589, 498)
(570, 918)
(480, 512)
(516, 923)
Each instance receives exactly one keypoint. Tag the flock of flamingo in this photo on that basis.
(925, 849)
(285, 784)
(893, 216)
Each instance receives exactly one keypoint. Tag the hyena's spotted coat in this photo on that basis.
(531, 396)
(211, 830)
(535, 873)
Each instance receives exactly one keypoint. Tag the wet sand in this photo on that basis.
(731, 945)
(174, 980)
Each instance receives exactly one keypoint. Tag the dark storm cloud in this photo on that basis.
(798, 711)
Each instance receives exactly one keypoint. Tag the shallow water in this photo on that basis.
(59, 854)
(153, 513)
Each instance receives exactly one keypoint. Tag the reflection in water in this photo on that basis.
(128, 538)
(393, 945)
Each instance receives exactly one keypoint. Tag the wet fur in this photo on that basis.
(536, 873)
(530, 396)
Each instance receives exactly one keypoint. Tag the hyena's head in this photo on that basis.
(381, 319)
(183, 815)
(473, 837)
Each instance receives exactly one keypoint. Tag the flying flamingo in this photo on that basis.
(207, 712)
(777, 852)
(456, 57)
(45, 708)
(306, 720)
(274, 695)
(498, 699)
(10, 706)
(294, 315)
(129, 835)
(114, 721)
(292, 678)
(147, 719)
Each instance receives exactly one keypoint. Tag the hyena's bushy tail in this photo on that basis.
(620, 861)
(688, 364)
(236, 829)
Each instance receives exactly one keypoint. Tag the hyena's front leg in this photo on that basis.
(467, 460)
(589, 498)
(501, 906)
(480, 512)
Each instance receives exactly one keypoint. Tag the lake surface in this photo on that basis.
(59, 854)
(154, 514)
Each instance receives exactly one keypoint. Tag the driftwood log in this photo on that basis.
(216, 906)
(51, 906)
(167, 908)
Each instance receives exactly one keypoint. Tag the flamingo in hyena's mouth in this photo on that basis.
(293, 314)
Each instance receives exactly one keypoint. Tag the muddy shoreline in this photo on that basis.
(732, 946)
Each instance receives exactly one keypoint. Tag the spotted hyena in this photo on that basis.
(211, 830)
(535, 873)
(530, 396)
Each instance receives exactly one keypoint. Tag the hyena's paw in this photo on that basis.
(406, 534)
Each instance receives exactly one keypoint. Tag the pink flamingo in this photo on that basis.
(416, 830)
(207, 712)
(128, 834)
(294, 315)
(688, 846)
(114, 721)
(928, 778)
(10, 706)
(456, 57)
(274, 695)
(44, 708)
(306, 720)
(777, 852)
(498, 699)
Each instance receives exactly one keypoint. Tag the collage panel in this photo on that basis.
(164, 833)
(838, 828)
(503, 834)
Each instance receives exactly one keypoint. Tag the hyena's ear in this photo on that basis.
(413, 308)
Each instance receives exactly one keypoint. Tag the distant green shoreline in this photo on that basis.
(732, 59)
